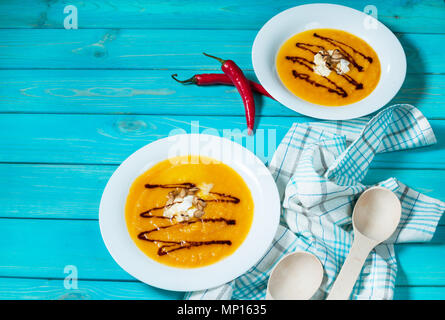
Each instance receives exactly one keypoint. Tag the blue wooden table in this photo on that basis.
(75, 103)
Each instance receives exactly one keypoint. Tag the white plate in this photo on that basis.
(313, 16)
(125, 252)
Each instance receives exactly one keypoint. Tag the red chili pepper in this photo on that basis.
(207, 79)
(240, 81)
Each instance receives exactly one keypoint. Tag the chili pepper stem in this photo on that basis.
(210, 56)
(191, 80)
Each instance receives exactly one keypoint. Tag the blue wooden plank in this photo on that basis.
(52, 191)
(36, 248)
(401, 15)
(417, 262)
(154, 92)
(109, 139)
(42, 289)
(51, 289)
(419, 293)
(74, 191)
(163, 49)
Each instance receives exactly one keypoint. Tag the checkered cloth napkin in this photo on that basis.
(318, 168)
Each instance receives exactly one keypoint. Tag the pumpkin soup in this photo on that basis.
(328, 67)
(189, 211)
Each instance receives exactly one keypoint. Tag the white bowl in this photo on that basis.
(125, 252)
(313, 16)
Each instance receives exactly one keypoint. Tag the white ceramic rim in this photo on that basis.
(264, 225)
(313, 16)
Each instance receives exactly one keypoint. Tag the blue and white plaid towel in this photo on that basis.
(318, 168)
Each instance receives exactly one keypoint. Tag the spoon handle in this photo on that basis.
(343, 285)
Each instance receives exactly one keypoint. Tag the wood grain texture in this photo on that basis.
(399, 15)
(110, 139)
(79, 243)
(163, 49)
(53, 289)
(154, 92)
(74, 191)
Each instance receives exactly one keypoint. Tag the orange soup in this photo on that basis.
(189, 211)
(328, 67)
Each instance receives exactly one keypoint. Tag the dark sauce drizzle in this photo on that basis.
(171, 245)
(333, 42)
(307, 46)
(187, 185)
(308, 64)
(301, 61)
(338, 90)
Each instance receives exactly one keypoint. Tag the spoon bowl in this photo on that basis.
(377, 214)
(295, 277)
